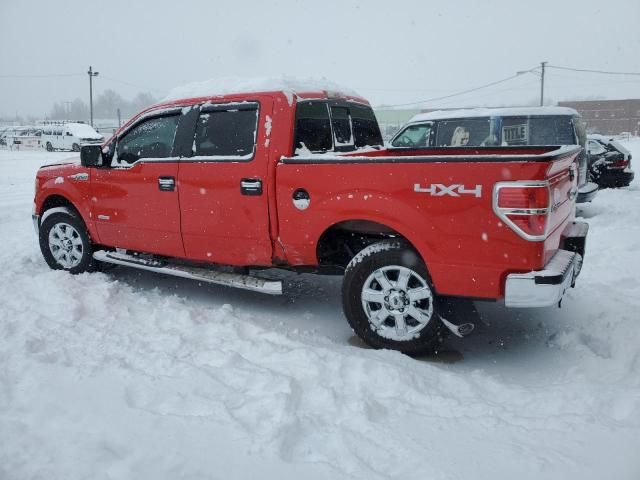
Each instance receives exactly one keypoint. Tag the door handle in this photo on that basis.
(251, 186)
(167, 184)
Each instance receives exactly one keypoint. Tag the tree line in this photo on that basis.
(105, 106)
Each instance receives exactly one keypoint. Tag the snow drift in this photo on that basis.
(127, 375)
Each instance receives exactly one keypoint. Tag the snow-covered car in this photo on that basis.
(516, 126)
(69, 136)
(609, 161)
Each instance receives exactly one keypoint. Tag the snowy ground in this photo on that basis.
(129, 375)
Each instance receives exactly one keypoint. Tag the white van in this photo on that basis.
(68, 136)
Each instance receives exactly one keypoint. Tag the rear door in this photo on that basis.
(223, 185)
(135, 198)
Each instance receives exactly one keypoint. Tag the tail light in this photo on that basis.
(524, 207)
(619, 164)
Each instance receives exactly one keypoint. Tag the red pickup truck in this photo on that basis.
(220, 188)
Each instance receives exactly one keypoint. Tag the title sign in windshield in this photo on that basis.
(516, 134)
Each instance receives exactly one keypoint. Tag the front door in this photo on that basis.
(135, 198)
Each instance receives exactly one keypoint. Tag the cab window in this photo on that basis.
(313, 127)
(365, 127)
(341, 123)
(322, 127)
(226, 132)
(153, 138)
(465, 132)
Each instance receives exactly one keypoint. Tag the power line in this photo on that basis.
(463, 92)
(51, 75)
(132, 84)
(526, 86)
(57, 75)
(585, 70)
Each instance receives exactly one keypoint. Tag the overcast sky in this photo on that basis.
(390, 51)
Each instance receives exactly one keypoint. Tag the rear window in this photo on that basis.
(538, 131)
(342, 129)
(313, 127)
(226, 132)
(321, 127)
(365, 127)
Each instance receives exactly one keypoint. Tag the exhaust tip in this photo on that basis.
(459, 330)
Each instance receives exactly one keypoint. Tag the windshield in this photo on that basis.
(548, 130)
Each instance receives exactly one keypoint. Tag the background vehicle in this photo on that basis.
(265, 179)
(21, 137)
(501, 126)
(69, 136)
(609, 161)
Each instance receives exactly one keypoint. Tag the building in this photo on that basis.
(609, 117)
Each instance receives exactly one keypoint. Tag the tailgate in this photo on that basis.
(538, 209)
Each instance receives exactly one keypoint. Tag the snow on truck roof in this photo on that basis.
(493, 112)
(289, 86)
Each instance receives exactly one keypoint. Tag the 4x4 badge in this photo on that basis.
(455, 190)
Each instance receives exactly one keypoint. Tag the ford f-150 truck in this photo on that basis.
(219, 188)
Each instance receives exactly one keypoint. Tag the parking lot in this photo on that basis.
(127, 373)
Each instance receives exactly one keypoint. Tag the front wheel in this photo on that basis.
(65, 243)
(75, 147)
(49, 147)
(389, 301)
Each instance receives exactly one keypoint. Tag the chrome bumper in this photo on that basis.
(546, 287)
(587, 192)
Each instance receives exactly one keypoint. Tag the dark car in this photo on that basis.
(609, 162)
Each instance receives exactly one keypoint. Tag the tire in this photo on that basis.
(49, 147)
(389, 300)
(75, 147)
(65, 243)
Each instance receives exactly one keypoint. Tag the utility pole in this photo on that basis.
(91, 75)
(542, 64)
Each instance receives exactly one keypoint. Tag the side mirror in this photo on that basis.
(91, 155)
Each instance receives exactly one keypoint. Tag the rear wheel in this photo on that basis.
(65, 243)
(49, 147)
(75, 147)
(389, 301)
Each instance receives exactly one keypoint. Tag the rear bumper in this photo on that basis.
(587, 192)
(546, 287)
(615, 178)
